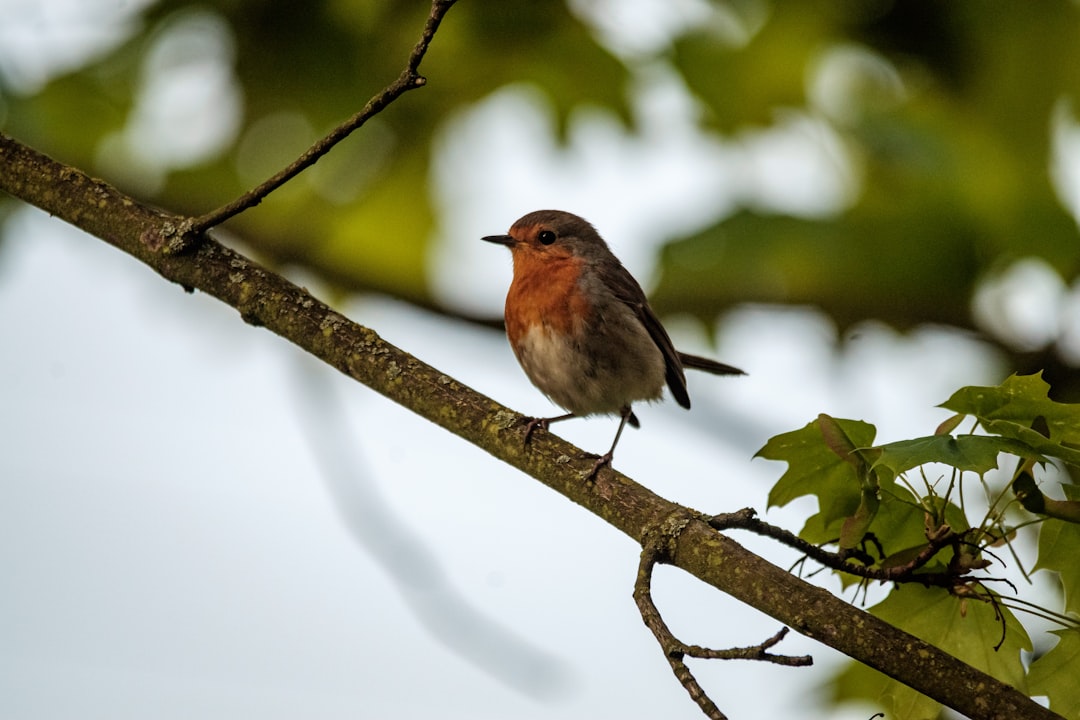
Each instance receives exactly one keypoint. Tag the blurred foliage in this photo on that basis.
(953, 142)
(362, 217)
(944, 113)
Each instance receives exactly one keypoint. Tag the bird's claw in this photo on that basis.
(601, 461)
(531, 424)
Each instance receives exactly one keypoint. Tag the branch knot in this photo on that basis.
(661, 537)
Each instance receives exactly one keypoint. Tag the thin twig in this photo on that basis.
(675, 650)
(746, 519)
(753, 652)
(193, 228)
(1020, 605)
(651, 615)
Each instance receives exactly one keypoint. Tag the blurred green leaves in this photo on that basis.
(942, 114)
(363, 217)
(954, 161)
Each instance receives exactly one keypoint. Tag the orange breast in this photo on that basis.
(544, 292)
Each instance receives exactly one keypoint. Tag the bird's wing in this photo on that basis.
(628, 291)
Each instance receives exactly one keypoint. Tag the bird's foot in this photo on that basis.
(531, 424)
(601, 461)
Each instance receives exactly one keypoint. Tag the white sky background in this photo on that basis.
(170, 546)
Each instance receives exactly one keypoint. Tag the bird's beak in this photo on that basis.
(507, 240)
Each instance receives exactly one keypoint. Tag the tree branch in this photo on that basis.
(675, 651)
(409, 79)
(264, 298)
(746, 519)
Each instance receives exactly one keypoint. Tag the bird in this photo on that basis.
(582, 329)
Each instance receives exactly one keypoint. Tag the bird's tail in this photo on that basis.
(710, 366)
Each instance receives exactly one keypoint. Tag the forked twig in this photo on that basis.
(191, 229)
(746, 519)
(675, 650)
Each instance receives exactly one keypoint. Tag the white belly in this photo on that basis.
(615, 375)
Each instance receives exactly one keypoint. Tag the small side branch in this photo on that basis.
(746, 519)
(676, 651)
(193, 228)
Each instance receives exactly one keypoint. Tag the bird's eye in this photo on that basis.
(546, 237)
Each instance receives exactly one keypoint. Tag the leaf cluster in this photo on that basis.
(884, 505)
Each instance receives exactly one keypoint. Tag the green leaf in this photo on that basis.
(1018, 405)
(1058, 541)
(966, 628)
(966, 453)
(856, 526)
(1054, 674)
(814, 469)
(1020, 399)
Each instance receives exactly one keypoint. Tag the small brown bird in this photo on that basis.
(582, 328)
